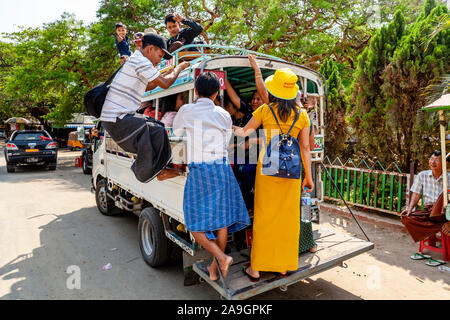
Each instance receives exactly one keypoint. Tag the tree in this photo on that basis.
(49, 70)
(389, 82)
(337, 128)
(413, 66)
(369, 116)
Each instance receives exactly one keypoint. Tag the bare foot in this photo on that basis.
(225, 265)
(212, 269)
(168, 174)
(313, 250)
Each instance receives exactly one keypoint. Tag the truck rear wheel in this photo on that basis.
(104, 203)
(154, 245)
(86, 170)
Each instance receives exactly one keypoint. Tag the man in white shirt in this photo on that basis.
(213, 204)
(427, 222)
(133, 132)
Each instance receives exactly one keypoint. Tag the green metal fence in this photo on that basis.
(379, 190)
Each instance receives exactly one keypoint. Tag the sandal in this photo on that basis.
(434, 263)
(251, 278)
(281, 275)
(420, 256)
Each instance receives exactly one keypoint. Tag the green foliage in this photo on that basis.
(48, 66)
(337, 129)
(388, 88)
(376, 59)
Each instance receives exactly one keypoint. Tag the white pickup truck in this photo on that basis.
(159, 205)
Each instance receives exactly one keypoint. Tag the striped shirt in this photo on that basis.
(427, 184)
(125, 93)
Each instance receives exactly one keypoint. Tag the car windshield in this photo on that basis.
(29, 136)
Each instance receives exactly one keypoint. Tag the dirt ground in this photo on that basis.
(49, 222)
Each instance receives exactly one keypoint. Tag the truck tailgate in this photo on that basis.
(333, 249)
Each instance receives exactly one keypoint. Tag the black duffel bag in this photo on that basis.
(95, 98)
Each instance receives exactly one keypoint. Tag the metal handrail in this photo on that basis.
(202, 47)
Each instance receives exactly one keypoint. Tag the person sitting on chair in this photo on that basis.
(422, 224)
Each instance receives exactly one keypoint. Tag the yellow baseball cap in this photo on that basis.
(283, 84)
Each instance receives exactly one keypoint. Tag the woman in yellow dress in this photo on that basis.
(276, 226)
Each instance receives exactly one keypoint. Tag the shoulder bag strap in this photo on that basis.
(276, 119)
(108, 82)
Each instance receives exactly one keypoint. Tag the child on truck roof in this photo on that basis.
(122, 42)
(213, 204)
(181, 37)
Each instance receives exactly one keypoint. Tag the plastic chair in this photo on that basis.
(430, 244)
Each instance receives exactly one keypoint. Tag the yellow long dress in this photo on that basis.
(276, 226)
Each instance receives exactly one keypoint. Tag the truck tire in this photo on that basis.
(86, 170)
(105, 204)
(52, 166)
(10, 168)
(154, 245)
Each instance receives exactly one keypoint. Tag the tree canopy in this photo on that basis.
(377, 56)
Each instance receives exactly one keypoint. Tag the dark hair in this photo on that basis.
(169, 18)
(285, 107)
(227, 100)
(120, 25)
(207, 84)
(438, 153)
(168, 103)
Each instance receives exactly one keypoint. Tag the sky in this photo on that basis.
(34, 13)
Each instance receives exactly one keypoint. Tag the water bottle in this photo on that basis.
(306, 206)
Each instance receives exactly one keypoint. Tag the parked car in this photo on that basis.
(31, 147)
(2, 134)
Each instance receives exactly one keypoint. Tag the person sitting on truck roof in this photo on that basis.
(131, 131)
(181, 37)
(422, 224)
(213, 204)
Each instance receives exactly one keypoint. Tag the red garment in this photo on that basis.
(150, 112)
(422, 224)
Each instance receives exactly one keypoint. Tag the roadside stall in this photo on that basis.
(79, 124)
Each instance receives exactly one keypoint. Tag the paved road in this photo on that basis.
(49, 221)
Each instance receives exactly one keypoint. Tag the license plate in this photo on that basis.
(33, 160)
(32, 150)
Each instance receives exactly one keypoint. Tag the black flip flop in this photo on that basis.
(278, 274)
(251, 278)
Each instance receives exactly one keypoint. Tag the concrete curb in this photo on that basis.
(385, 222)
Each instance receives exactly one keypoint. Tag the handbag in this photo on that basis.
(283, 156)
(95, 97)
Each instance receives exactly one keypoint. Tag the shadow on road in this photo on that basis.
(89, 240)
(391, 247)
